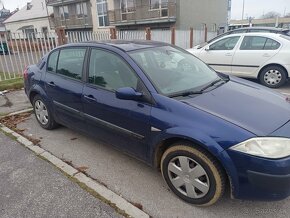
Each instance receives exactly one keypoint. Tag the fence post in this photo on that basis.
(61, 36)
(205, 33)
(191, 38)
(148, 33)
(173, 35)
(113, 33)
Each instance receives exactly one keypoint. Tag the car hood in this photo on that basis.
(245, 104)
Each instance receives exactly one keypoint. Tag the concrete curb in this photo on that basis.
(18, 112)
(100, 189)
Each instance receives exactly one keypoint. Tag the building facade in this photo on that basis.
(32, 18)
(138, 14)
(183, 14)
(71, 14)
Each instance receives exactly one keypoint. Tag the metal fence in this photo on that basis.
(18, 50)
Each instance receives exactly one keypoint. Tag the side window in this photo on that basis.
(271, 45)
(259, 43)
(70, 62)
(110, 71)
(52, 62)
(225, 44)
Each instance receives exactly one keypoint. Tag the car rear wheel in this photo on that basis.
(273, 76)
(192, 174)
(43, 113)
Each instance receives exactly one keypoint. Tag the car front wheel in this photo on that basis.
(273, 76)
(192, 174)
(43, 113)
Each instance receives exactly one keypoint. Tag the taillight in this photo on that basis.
(25, 73)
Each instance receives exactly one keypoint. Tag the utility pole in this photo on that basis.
(243, 10)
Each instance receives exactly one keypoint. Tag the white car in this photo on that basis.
(265, 56)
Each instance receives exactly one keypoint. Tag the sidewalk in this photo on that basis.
(31, 187)
(13, 101)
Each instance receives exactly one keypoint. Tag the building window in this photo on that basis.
(127, 6)
(64, 12)
(82, 10)
(102, 13)
(161, 5)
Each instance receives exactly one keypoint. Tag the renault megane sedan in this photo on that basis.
(204, 130)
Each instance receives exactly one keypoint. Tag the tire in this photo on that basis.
(202, 188)
(273, 76)
(43, 113)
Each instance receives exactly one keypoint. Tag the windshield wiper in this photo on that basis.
(212, 84)
(184, 94)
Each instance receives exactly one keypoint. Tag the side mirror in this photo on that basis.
(206, 48)
(128, 93)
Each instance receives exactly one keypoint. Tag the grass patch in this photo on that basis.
(16, 83)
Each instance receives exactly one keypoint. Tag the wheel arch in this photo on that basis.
(36, 90)
(273, 64)
(198, 139)
(165, 144)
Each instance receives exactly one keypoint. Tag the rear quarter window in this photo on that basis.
(52, 61)
(41, 63)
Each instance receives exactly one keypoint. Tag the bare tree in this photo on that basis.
(271, 14)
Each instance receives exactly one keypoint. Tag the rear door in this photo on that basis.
(123, 123)
(220, 54)
(253, 53)
(64, 85)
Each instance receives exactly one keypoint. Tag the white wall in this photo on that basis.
(37, 23)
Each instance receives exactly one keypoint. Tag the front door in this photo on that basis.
(220, 54)
(122, 123)
(64, 85)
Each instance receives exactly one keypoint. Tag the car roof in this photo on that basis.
(272, 35)
(125, 45)
(260, 28)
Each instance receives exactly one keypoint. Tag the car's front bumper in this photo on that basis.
(258, 178)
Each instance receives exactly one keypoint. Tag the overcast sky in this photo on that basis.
(253, 8)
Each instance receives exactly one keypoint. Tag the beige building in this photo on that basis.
(84, 15)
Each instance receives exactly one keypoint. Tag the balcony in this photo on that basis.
(61, 2)
(71, 22)
(143, 15)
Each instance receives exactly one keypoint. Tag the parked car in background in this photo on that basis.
(265, 56)
(4, 48)
(166, 107)
(248, 30)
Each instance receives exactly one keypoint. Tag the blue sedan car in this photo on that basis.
(204, 130)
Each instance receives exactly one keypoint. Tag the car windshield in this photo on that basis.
(174, 71)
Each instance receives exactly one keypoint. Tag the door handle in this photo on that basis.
(51, 84)
(90, 97)
(266, 55)
(229, 54)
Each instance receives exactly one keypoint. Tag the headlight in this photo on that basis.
(268, 147)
